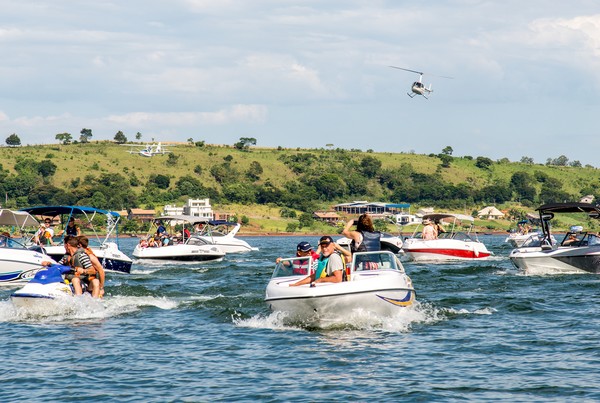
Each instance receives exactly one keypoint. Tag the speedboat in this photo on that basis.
(376, 283)
(222, 233)
(192, 248)
(108, 252)
(449, 246)
(46, 287)
(389, 242)
(519, 237)
(577, 252)
(18, 263)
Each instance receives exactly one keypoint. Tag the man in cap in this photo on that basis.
(330, 265)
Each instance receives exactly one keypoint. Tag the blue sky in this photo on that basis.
(526, 75)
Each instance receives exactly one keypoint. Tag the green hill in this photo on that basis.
(259, 182)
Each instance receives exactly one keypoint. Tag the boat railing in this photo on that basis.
(377, 260)
(294, 266)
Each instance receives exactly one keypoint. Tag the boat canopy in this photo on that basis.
(58, 210)
(18, 218)
(569, 208)
(221, 222)
(187, 218)
(441, 216)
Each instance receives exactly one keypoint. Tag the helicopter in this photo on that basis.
(418, 88)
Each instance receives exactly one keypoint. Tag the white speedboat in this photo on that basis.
(449, 246)
(377, 283)
(222, 233)
(108, 252)
(191, 248)
(578, 251)
(389, 242)
(45, 288)
(18, 263)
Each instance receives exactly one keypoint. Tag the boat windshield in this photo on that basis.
(8, 242)
(294, 266)
(380, 260)
(461, 236)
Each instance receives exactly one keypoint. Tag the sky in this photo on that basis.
(525, 74)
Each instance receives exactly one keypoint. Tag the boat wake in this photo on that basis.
(83, 308)
(358, 319)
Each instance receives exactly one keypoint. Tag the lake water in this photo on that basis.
(201, 332)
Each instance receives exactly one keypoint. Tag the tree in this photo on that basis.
(138, 136)
(446, 160)
(447, 150)
(46, 168)
(483, 162)
(120, 137)
(86, 135)
(13, 140)
(245, 143)
(65, 138)
(160, 180)
(370, 166)
(254, 171)
(191, 141)
(527, 160)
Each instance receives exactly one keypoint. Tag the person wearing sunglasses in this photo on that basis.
(330, 265)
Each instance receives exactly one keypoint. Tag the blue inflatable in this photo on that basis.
(53, 274)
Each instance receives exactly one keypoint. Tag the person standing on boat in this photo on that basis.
(45, 234)
(365, 238)
(429, 230)
(330, 265)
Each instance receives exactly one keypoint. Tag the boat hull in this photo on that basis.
(442, 250)
(561, 260)
(180, 252)
(112, 259)
(20, 265)
(382, 292)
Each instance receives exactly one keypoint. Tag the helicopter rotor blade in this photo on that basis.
(412, 71)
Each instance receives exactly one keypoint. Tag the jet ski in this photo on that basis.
(46, 285)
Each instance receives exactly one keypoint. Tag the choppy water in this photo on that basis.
(201, 332)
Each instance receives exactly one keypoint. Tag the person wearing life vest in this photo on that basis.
(329, 265)
(83, 271)
(365, 238)
(100, 274)
(300, 266)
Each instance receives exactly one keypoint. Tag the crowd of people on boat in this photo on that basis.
(330, 260)
(162, 238)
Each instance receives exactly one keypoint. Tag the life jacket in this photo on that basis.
(370, 242)
(321, 267)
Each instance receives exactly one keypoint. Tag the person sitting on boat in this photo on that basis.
(571, 239)
(71, 228)
(300, 266)
(44, 235)
(429, 231)
(160, 228)
(365, 238)
(143, 243)
(330, 265)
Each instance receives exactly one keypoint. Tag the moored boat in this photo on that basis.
(376, 283)
(223, 234)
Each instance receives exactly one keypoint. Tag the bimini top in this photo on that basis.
(57, 210)
(440, 216)
(570, 208)
(18, 218)
(187, 218)
(221, 222)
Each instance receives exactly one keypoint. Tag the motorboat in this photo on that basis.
(164, 246)
(376, 283)
(107, 251)
(18, 262)
(222, 233)
(389, 242)
(46, 287)
(525, 231)
(577, 252)
(451, 245)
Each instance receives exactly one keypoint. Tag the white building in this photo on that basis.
(195, 207)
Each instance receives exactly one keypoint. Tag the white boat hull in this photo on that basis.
(20, 265)
(112, 259)
(561, 260)
(228, 244)
(443, 250)
(182, 252)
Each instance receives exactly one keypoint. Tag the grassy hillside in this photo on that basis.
(79, 160)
